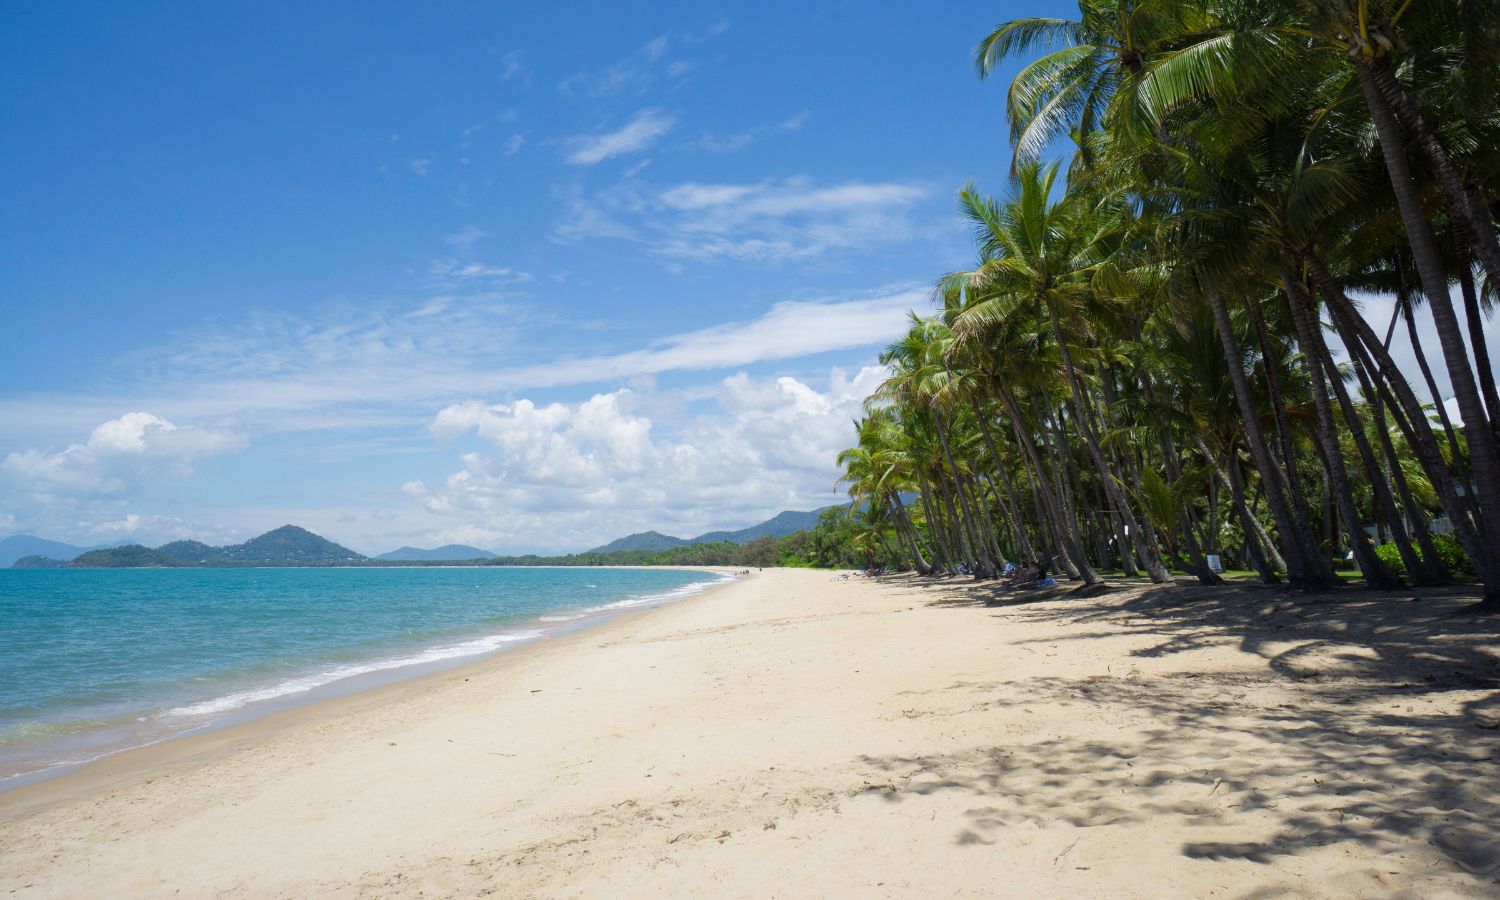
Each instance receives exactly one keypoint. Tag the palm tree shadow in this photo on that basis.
(1372, 721)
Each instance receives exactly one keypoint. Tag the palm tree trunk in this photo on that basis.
(1295, 492)
(1063, 534)
(1433, 570)
(1472, 224)
(908, 532)
(1380, 488)
(1155, 569)
(979, 561)
(1005, 508)
(1377, 574)
(1475, 318)
(1455, 448)
(1484, 456)
(1296, 542)
(1418, 432)
(1256, 541)
(935, 530)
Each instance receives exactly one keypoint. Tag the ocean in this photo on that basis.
(93, 661)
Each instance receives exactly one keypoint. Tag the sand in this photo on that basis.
(794, 736)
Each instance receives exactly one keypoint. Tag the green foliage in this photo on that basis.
(1448, 550)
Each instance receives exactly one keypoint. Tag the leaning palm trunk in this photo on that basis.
(1005, 508)
(1295, 491)
(1065, 537)
(1472, 223)
(979, 560)
(1376, 573)
(1475, 319)
(1380, 488)
(1455, 448)
(1296, 541)
(1483, 453)
(1433, 570)
(1257, 543)
(908, 532)
(940, 545)
(1413, 422)
(1152, 563)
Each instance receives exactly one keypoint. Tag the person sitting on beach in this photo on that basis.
(1032, 571)
(1038, 578)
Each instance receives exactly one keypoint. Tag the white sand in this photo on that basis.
(794, 736)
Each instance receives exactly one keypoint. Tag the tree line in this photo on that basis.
(1161, 352)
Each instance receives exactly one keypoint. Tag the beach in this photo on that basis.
(794, 735)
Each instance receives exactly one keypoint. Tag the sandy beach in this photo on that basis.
(793, 735)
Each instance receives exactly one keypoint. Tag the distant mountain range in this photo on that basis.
(19, 545)
(293, 546)
(447, 552)
(285, 546)
(779, 525)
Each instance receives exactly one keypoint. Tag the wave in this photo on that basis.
(306, 683)
(686, 590)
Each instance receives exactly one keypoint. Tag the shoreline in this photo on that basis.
(370, 681)
(792, 734)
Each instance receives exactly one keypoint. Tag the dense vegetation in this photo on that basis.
(1136, 372)
(836, 541)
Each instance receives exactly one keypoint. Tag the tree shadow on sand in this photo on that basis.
(1379, 715)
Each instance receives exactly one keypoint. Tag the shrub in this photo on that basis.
(1448, 550)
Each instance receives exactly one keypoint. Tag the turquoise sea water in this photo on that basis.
(96, 660)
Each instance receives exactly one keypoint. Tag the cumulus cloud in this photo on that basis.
(580, 474)
(117, 456)
(636, 135)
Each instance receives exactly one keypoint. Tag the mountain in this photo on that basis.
(645, 540)
(130, 556)
(779, 525)
(288, 546)
(38, 562)
(194, 553)
(19, 545)
(445, 552)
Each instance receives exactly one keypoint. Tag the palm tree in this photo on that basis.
(1044, 254)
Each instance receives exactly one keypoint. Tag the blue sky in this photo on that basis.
(526, 276)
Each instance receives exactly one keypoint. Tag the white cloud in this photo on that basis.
(632, 75)
(513, 145)
(789, 330)
(768, 221)
(465, 238)
(420, 166)
(380, 366)
(634, 136)
(511, 66)
(450, 268)
(743, 139)
(117, 457)
(567, 476)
